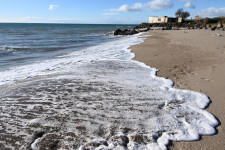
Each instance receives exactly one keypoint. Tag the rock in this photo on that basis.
(219, 25)
(94, 144)
(143, 25)
(217, 34)
(167, 28)
(37, 135)
(175, 28)
(49, 141)
(142, 29)
(140, 139)
(117, 32)
(125, 32)
(213, 28)
(129, 32)
(43, 140)
(162, 26)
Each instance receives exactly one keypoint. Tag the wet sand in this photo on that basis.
(194, 60)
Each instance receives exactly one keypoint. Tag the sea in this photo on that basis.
(76, 86)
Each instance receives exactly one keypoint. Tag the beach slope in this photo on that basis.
(194, 60)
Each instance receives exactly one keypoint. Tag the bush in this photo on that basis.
(213, 20)
(191, 22)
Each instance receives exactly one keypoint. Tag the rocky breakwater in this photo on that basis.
(125, 32)
(143, 27)
(140, 28)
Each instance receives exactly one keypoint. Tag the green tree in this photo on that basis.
(185, 14)
(179, 12)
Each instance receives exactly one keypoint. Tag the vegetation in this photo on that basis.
(178, 12)
(212, 20)
(215, 20)
(181, 13)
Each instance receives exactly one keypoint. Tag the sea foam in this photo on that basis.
(98, 98)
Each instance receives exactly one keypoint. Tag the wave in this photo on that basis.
(11, 48)
(98, 98)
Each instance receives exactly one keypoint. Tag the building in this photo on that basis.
(164, 19)
(197, 18)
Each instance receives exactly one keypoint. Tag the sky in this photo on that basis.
(103, 11)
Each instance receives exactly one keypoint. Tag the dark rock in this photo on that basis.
(169, 28)
(213, 28)
(164, 26)
(49, 141)
(94, 144)
(143, 25)
(140, 139)
(118, 32)
(142, 29)
(125, 32)
(37, 135)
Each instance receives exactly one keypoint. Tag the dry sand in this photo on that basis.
(194, 60)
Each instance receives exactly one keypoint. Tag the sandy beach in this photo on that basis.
(194, 60)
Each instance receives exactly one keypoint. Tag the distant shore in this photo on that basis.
(194, 60)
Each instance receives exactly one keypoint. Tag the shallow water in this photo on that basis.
(97, 98)
(24, 43)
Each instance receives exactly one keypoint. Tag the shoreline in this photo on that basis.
(193, 60)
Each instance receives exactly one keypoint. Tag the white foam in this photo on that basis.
(101, 91)
(109, 50)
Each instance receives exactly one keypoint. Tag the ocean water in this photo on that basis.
(77, 87)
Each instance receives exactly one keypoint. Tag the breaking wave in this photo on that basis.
(97, 98)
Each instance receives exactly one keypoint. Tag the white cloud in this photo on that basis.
(154, 5)
(157, 5)
(126, 8)
(189, 5)
(52, 7)
(212, 12)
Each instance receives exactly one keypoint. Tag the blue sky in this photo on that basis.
(103, 11)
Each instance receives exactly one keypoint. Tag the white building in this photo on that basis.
(164, 19)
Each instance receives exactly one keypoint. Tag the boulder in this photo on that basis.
(125, 32)
(118, 32)
(219, 25)
(142, 29)
(213, 28)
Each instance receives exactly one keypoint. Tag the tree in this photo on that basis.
(181, 13)
(185, 14)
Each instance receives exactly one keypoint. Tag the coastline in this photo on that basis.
(194, 60)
